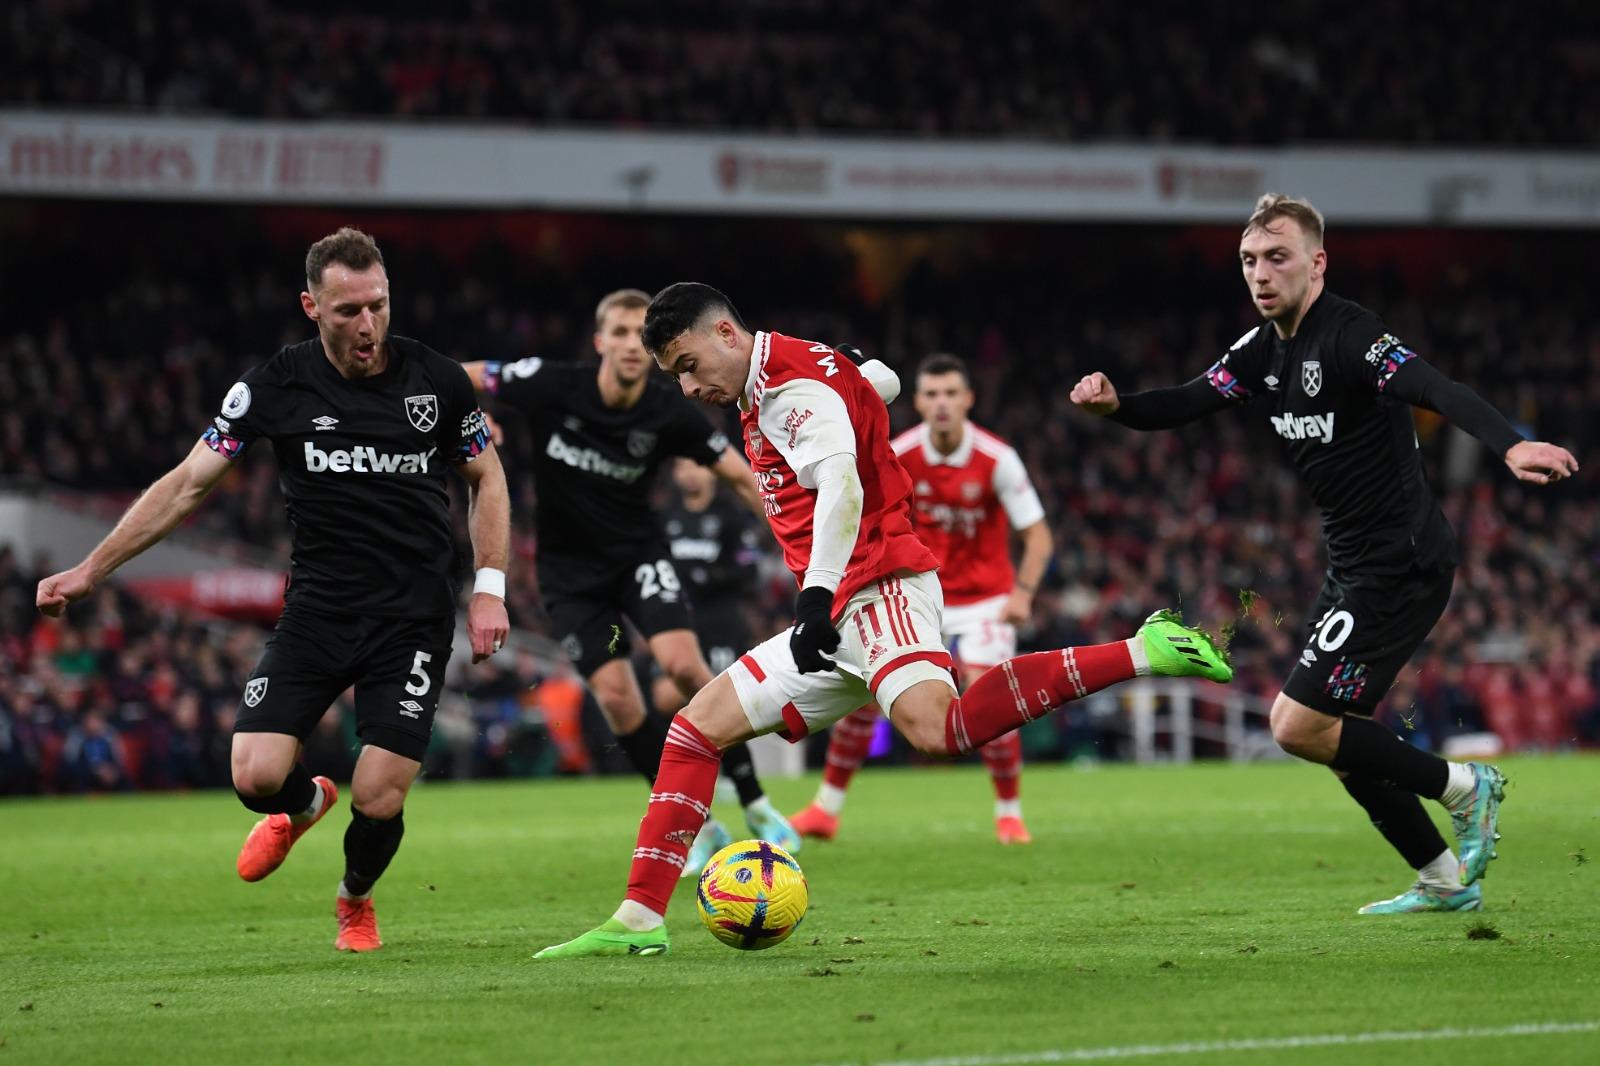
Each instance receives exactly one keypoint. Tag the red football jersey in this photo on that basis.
(967, 503)
(803, 403)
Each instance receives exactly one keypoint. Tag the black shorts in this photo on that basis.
(396, 665)
(723, 634)
(588, 598)
(1361, 636)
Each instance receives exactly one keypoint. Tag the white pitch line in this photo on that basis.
(1271, 1043)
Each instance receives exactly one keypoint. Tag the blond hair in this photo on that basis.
(1275, 205)
(624, 298)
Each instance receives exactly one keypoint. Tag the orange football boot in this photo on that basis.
(270, 840)
(358, 925)
(813, 821)
(1010, 830)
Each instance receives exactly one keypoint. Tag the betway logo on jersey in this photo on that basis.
(1305, 427)
(591, 461)
(364, 460)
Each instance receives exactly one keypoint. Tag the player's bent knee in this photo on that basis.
(258, 779)
(381, 803)
(1298, 729)
(920, 712)
(718, 715)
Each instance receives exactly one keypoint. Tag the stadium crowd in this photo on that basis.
(1434, 73)
(106, 394)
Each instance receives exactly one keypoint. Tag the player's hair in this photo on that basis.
(677, 308)
(348, 247)
(945, 363)
(1276, 205)
(624, 298)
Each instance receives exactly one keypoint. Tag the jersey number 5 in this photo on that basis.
(423, 683)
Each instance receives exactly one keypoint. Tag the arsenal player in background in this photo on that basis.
(970, 490)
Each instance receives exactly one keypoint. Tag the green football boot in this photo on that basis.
(1175, 650)
(1420, 897)
(611, 938)
(1477, 821)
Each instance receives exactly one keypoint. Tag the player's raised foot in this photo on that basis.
(612, 938)
(1476, 822)
(713, 837)
(813, 821)
(358, 925)
(1009, 829)
(1420, 897)
(1176, 650)
(271, 838)
(765, 823)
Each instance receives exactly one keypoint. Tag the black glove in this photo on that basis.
(852, 352)
(813, 630)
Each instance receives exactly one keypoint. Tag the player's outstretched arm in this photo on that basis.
(1421, 384)
(157, 512)
(1152, 409)
(742, 480)
(489, 525)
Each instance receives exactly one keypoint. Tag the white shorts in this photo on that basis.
(974, 632)
(889, 641)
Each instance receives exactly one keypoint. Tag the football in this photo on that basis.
(752, 895)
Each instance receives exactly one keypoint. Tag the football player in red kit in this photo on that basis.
(970, 490)
(870, 608)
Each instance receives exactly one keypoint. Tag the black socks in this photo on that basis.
(295, 796)
(741, 770)
(369, 844)
(1367, 749)
(1399, 816)
(643, 745)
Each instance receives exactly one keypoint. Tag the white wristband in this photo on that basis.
(491, 581)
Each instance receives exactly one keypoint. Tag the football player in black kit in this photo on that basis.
(1340, 388)
(599, 435)
(715, 544)
(364, 426)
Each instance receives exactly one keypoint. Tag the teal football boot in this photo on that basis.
(713, 837)
(1420, 897)
(765, 823)
(1476, 823)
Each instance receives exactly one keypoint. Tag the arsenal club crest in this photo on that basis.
(753, 442)
(641, 443)
(423, 411)
(1311, 377)
(254, 691)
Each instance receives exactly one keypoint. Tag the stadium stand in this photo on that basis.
(1314, 71)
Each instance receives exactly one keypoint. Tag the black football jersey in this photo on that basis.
(362, 463)
(715, 551)
(595, 465)
(1354, 445)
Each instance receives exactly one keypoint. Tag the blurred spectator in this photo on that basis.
(1430, 73)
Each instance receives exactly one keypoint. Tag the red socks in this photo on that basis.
(1021, 689)
(848, 744)
(1003, 757)
(678, 807)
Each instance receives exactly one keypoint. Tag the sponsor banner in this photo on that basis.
(246, 594)
(57, 154)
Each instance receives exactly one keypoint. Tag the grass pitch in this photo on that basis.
(1158, 906)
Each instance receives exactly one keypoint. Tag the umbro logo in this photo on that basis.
(411, 708)
(324, 422)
